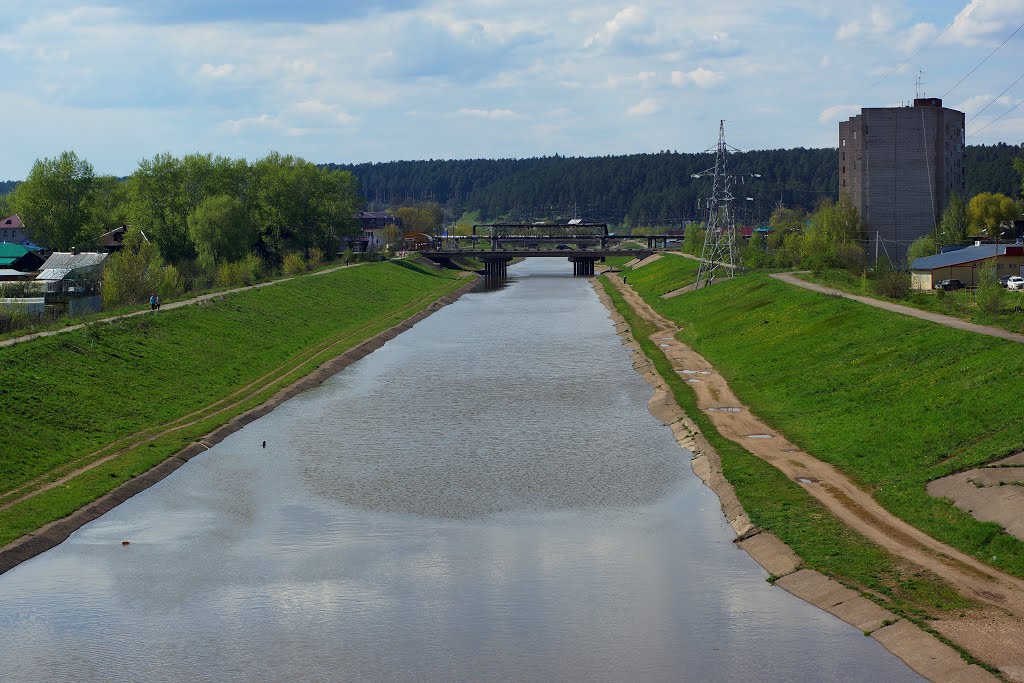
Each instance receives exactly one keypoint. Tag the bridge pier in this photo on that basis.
(583, 266)
(496, 269)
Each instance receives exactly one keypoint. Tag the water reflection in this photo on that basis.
(484, 498)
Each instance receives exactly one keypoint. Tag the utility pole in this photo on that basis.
(718, 256)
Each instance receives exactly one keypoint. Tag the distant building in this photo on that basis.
(966, 264)
(373, 224)
(899, 165)
(13, 230)
(72, 272)
(19, 257)
(113, 240)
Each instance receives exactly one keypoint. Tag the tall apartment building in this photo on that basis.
(899, 165)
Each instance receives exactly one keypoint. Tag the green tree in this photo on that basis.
(136, 272)
(158, 206)
(954, 224)
(109, 206)
(54, 201)
(221, 229)
(1018, 165)
(922, 246)
(832, 225)
(987, 210)
(787, 219)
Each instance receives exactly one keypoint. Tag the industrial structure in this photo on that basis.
(899, 166)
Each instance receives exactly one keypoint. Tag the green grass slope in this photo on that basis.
(893, 401)
(65, 397)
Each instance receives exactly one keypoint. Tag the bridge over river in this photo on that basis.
(583, 244)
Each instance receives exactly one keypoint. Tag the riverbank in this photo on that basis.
(164, 385)
(779, 503)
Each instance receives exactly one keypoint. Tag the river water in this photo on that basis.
(484, 498)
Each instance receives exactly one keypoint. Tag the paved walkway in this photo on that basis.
(165, 307)
(947, 320)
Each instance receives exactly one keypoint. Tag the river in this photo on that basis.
(486, 497)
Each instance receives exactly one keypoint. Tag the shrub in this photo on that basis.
(316, 258)
(851, 256)
(294, 264)
(990, 295)
(241, 273)
(890, 282)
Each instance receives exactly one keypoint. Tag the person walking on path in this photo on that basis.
(158, 302)
(152, 302)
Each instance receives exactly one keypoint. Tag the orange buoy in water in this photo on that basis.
(125, 542)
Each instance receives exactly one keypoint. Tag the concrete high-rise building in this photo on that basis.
(899, 166)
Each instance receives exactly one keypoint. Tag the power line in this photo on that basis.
(996, 98)
(995, 119)
(983, 61)
(911, 57)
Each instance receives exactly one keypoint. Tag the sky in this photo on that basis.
(379, 80)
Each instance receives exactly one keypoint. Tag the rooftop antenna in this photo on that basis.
(918, 82)
(718, 256)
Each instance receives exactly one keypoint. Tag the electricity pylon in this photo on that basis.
(718, 256)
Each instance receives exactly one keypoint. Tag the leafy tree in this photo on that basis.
(5, 205)
(787, 219)
(953, 228)
(136, 272)
(922, 246)
(987, 210)
(832, 225)
(158, 206)
(221, 229)
(54, 201)
(693, 238)
(392, 237)
(1018, 165)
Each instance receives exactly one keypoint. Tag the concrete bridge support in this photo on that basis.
(583, 266)
(496, 269)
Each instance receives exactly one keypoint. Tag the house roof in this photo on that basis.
(12, 251)
(7, 272)
(70, 261)
(12, 221)
(955, 258)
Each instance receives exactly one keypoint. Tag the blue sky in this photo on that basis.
(404, 79)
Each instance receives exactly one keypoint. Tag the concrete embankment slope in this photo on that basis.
(777, 350)
(97, 414)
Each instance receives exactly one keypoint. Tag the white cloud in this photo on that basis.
(838, 112)
(848, 30)
(700, 77)
(629, 29)
(218, 71)
(983, 20)
(644, 107)
(641, 78)
(492, 114)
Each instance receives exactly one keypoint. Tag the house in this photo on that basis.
(372, 224)
(112, 240)
(19, 257)
(13, 230)
(966, 264)
(72, 272)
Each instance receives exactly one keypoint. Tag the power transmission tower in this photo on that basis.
(718, 256)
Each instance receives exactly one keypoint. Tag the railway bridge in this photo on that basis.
(583, 244)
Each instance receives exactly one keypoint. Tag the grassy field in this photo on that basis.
(959, 303)
(783, 507)
(893, 401)
(117, 387)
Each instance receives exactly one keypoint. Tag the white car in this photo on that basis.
(1015, 283)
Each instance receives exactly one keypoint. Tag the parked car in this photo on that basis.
(1003, 279)
(949, 285)
(1016, 283)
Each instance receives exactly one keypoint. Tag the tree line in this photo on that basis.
(636, 189)
(195, 220)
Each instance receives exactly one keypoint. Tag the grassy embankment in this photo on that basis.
(959, 304)
(893, 401)
(144, 387)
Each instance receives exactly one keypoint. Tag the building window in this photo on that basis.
(844, 182)
(844, 142)
(854, 135)
(843, 169)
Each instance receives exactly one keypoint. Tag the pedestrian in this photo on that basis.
(623, 278)
(158, 302)
(152, 302)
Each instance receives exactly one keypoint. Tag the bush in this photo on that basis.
(990, 295)
(244, 272)
(851, 257)
(294, 264)
(889, 282)
(316, 258)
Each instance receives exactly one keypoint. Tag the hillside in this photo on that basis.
(638, 188)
